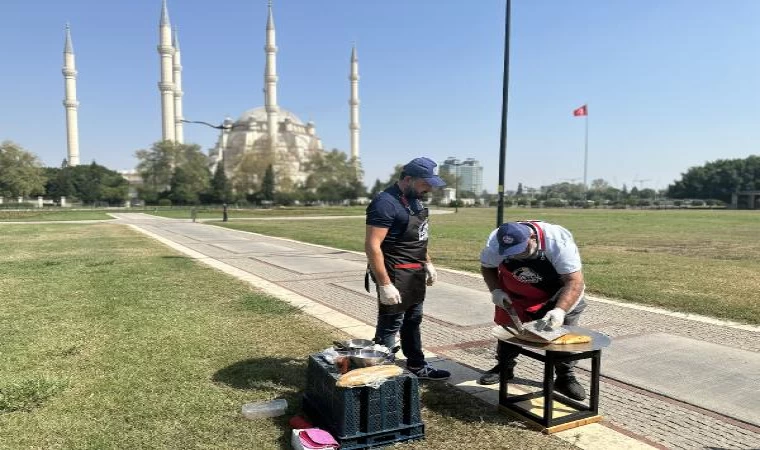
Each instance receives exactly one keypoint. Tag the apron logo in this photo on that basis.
(424, 231)
(527, 275)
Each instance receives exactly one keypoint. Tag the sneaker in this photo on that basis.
(568, 385)
(493, 375)
(428, 372)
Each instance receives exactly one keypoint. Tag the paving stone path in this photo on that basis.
(668, 380)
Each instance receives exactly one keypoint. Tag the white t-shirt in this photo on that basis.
(560, 249)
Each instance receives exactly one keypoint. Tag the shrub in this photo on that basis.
(164, 202)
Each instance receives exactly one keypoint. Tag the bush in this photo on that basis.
(164, 202)
(697, 203)
(555, 203)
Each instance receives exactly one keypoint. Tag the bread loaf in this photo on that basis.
(572, 339)
(368, 375)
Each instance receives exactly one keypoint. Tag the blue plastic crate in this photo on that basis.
(360, 415)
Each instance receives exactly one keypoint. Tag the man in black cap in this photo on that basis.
(396, 247)
(534, 266)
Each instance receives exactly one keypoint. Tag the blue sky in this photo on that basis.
(669, 85)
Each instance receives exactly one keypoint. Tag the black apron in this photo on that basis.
(404, 261)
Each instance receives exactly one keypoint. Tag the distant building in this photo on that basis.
(745, 200)
(134, 180)
(469, 173)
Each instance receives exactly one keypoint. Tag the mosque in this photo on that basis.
(268, 134)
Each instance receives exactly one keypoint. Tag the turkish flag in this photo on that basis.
(582, 111)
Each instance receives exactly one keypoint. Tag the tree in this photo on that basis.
(220, 187)
(181, 190)
(267, 184)
(21, 173)
(377, 188)
(249, 172)
(599, 185)
(59, 182)
(195, 176)
(93, 183)
(155, 165)
(519, 190)
(334, 177)
(718, 179)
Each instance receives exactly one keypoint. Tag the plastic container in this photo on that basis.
(262, 410)
(362, 416)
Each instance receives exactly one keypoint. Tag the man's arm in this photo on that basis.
(490, 276)
(572, 291)
(373, 238)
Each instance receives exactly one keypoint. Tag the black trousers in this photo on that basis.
(506, 354)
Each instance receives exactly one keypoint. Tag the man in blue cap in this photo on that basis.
(396, 246)
(534, 266)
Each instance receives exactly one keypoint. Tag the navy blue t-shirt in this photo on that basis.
(387, 211)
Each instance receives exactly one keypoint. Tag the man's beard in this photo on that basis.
(411, 194)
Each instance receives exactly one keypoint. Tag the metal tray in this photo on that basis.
(598, 340)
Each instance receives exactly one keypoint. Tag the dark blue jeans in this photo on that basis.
(408, 323)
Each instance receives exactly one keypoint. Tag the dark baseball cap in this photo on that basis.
(513, 238)
(424, 168)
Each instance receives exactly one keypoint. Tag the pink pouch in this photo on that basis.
(314, 438)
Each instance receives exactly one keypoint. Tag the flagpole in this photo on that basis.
(585, 160)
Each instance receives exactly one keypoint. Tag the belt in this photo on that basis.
(408, 266)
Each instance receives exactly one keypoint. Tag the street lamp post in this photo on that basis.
(504, 109)
(456, 188)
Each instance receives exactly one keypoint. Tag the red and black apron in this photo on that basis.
(531, 283)
(404, 260)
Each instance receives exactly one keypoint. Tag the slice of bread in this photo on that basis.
(368, 375)
(572, 339)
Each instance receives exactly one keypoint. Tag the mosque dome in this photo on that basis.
(260, 115)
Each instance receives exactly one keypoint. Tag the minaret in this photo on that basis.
(270, 80)
(166, 85)
(70, 102)
(354, 102)
(178, 125)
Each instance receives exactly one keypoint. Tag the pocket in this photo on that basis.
(411, 284)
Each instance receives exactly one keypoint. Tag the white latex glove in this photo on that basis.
(389, 295)
(500, 298)
(432, 275)
(553, 319)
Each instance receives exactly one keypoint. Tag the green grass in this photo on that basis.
(216, 213)
(705, 262)
(51, 215)
(110, 340)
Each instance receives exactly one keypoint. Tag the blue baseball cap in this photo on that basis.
(424, 168)
(513, 238)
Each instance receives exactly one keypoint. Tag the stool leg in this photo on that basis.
(548, 388)
(502, 385)
(596, 362)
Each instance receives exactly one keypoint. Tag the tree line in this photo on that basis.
(180, 174)
(22, 175)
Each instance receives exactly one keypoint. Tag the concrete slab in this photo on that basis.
(311, 264)
(715, 377)
(598, 436)
(447, 302)
(252, 247)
